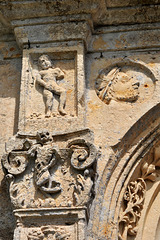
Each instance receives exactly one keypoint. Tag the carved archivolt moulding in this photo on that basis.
(129, 187)
(134, 198)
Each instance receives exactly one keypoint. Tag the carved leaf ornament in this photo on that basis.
(134, 197)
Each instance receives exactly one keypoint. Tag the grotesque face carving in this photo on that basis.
(118, 86)
(43, 137)
(44, 62)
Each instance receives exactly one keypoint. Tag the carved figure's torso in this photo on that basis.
(48, 75)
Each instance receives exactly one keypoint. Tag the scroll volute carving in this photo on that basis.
(15, 162)
(83, 157)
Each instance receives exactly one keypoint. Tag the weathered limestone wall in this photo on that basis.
(10, 68)
(81, 159)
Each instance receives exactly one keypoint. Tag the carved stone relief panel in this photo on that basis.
(122, 85)
(43, 175)
(53, 224)
(48, 232)
(52, 88)
(126, 81)
(53, 82)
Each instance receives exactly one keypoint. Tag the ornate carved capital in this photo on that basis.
(51, 176)
(44, 175)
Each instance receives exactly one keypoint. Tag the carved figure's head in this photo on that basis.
(43, 137)
(117, 85)
(44, 62)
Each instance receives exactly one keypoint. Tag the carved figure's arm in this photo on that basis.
(32, 151)
(40, 81)
(58, 73)
(44, 84)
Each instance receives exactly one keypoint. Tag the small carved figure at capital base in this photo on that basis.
(116, 85)
(83, 188)
(83, 157)
(47, 78)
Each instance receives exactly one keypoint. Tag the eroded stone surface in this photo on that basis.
(87, 66)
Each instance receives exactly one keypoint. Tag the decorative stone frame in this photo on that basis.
(64, 217)
(77, 49)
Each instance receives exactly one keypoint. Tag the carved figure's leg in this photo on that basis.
(62, 102)
(62, 93)
(48, 101)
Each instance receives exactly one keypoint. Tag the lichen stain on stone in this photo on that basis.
(122, 42)
(2, 46)
(18, 55)
(99, 43)
(108, 228)
(93, 106)
(69, 91)
(151, 64)
(12, 49)
(123, 39)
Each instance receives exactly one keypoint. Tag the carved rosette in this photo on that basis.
(43, 175)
